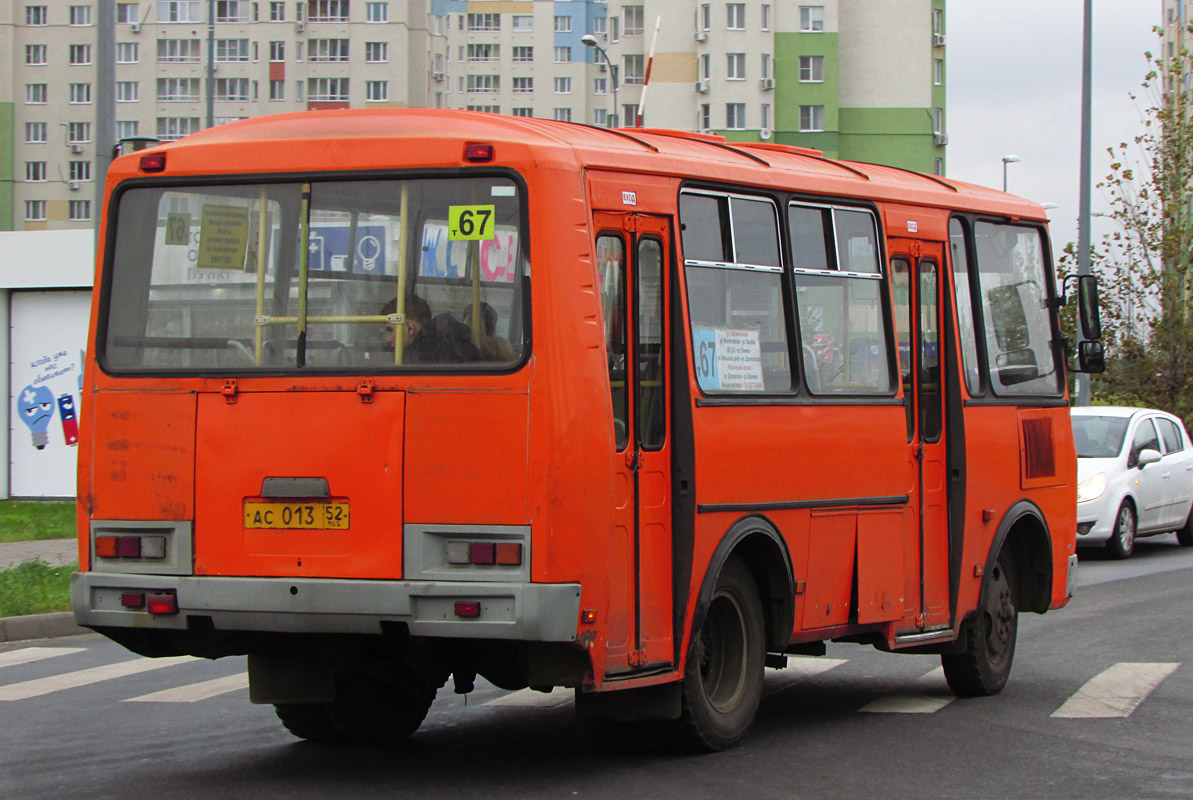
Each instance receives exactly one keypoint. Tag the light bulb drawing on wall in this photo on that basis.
(35, 407)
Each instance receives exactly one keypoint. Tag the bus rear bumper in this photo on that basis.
(539, 612)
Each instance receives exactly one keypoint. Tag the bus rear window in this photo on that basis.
(422, 274)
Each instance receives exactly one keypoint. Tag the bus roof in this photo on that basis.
(367, 137)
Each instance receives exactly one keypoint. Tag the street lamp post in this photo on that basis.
(590, 41)
(1007, 160)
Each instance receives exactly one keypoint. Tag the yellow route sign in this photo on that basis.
(470, 222)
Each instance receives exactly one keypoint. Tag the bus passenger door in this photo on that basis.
(632, 253)
(915, 268)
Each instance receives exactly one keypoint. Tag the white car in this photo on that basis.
(1134, 477)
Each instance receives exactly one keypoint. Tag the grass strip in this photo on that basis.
(34, 520)
(35, 587)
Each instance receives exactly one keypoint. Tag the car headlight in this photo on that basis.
(1091, 488)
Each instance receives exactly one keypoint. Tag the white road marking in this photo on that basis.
(798, 669)
(30, 654)
(70, 680)
(928, 694)
(1115, 692)
(196, 691)
(529, 698)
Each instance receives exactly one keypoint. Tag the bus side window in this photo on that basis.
(610, 250)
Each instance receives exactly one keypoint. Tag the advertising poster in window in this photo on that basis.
(728, 359)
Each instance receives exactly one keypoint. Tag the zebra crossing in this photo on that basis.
(1115, 692)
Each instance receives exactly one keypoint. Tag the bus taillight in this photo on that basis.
(153, 162)
(476, 153)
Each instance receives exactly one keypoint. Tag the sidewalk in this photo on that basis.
(54, 552)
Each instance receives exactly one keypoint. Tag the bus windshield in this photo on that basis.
(317, 275)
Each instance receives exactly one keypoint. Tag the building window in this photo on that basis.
(328, 11)
(522, 24)
(632, 20)
(766, 16)
(178, 11)
(35, 210)
(35, 93)
(735, 116)
(277, 51)
(376, 90)
(523, 54)
(598, 24)
(327, 50)
(563, 24)
(80, 55)
(35, 55)
(80, 15)
(487, 109)
(126, 128)
(79, 170)
(600, 86)
(328, 89)
(127, 53)
(704, 117)
(483, 83)
(233, 50)
(615, 33)
(178, 90)
(523, 85)
(938, 166)
(764, 116)
(127, 13)
(563, 55)
(277, 12)
(35, 15)
(736, 16)
(35, 171)
(629, 113)
(484, 22)
(705, 17)
(234, 89)
(178, 51)
(231, 11)
(35, 133)
(704, 66)
(938, 71)
(483, 52)
(811, 69)
(938, 121)
(811, 118)
(298, 91)
(376, 12)
(736, 64)
(811, 18)
(938, 22)
(563, 86)
(170, 128)
(633, 70)
(376, 52)
(600, 117)
(127, 91)
(80, 210)
(766, 65)
(563, 114)
(78, 132)
(277, 90)
(80, 93)
(523, 112)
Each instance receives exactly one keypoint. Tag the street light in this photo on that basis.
(590, 41)
(1007, 160)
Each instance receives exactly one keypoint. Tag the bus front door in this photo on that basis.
(632, 253)
(915, 269)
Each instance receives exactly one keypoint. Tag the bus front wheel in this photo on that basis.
(722, 682)
(989, 637)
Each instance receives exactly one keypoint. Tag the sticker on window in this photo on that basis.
(470, 222)
(223, 237)
(728, 359)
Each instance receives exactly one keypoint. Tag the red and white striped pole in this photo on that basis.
(646, 79)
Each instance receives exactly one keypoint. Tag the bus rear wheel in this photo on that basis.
(722, 682)
(367, 709)
(988, 636)
(310, 721)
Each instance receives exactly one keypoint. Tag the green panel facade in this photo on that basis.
(790, 93)
(900, 137)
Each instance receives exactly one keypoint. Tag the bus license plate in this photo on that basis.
(316, 516)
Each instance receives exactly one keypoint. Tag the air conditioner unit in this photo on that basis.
(74, 185)
(135, 27)
(702, 36)
(940, 139)
(702, 86)
(938, 40)
(765, 133)
(438, 76)
(76, 148)
(300, 26)
(768, 83)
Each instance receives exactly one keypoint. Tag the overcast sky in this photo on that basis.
(1013, 76)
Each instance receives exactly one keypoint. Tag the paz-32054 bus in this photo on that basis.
(380, 398)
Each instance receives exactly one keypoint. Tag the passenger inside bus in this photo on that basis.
(492, 346)
(441, 339)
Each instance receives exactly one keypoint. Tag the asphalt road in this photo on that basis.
(1099, 705)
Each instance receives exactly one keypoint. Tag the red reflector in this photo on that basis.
(588, 616)
(128, 546)
(105, 546)
(154, 162)
(484, 553)
(163, 604)
(469, 609)
(472, 152)
(509, 553)
(132, 599)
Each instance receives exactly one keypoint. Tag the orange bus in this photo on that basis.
(380, 398)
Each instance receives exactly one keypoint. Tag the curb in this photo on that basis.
(39, 626)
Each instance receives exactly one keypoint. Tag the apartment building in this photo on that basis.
(858, 79)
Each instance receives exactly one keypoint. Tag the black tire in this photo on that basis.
(367, 709)
(1184, 534)
(310, 721)
(722, 683)
(988, 636)
(1121, 543)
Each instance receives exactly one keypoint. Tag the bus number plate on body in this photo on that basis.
(317, 515)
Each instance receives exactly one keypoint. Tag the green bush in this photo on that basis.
(31, 520)
(34, 587)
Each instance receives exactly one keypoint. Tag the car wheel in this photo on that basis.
(1184, 534)
(1122, 541)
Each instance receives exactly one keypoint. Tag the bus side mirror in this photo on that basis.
(1087, 307)
(1090, 356)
